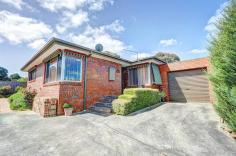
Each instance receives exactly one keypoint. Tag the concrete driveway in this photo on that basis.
(171, 129)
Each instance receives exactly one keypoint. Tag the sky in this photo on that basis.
(182, 27)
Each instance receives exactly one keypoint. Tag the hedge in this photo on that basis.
(135, 99)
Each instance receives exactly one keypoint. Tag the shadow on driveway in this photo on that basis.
(172, 129)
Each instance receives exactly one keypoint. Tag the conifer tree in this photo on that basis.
(223, 62)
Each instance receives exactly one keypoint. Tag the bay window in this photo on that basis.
(64, 67)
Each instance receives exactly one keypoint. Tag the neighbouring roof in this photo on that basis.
(150, 58)
(103, 54)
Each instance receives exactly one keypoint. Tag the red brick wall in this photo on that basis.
(98, 85)
(201, 63)
(36, 85)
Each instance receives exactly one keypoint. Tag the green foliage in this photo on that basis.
(15, 76)
(223, 60)
(135, 99)
(167, 57)
(5, 91)
(66, 105)
(18, 88)
(17, 101)
(3, 74)
(21, 100)
(22, 79)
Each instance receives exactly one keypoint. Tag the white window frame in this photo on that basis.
(109, 72)
(63, 69)
(62, 75)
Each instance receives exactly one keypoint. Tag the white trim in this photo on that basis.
(62, 65)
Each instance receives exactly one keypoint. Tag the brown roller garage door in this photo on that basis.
(189, 86)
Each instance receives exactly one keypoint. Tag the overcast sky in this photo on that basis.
(147, 26)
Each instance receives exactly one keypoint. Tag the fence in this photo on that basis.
(13, 84)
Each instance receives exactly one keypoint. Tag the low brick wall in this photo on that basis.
(46, 107)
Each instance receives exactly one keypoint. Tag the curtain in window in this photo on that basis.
(51, 70)
(156, 74)
(138, 76)
(133, 77)
(72, 69)
(59, 62)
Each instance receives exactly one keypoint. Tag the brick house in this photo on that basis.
(70, 73)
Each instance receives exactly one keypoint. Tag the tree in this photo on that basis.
(3, 74)
(15, 76)
(167, 57)
(223, 60)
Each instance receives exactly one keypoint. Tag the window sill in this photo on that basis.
(74, 83)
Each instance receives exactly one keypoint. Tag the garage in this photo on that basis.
(188, 86)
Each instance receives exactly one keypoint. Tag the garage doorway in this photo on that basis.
(189, 86)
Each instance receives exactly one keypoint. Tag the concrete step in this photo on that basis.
(102, 104)
(101, 109)
(108, 99)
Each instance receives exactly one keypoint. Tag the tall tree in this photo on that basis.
(15, 76)
(3, 74)
(167, 57)
(223, 60)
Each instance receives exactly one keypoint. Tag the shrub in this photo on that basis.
(17, 101)
(5, 91)
(66, 105)
(18, 88)
(22, 99)
(22, 79)
(222, 57)
(135, 99)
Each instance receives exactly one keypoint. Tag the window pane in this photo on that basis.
(156, 74)
(72, 69)
(51, 70)
(59, 62)
(32, 75)
(138, 76)
(112, 73)
(133, 77)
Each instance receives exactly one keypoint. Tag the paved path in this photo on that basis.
(4, 105)
(168, 130)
